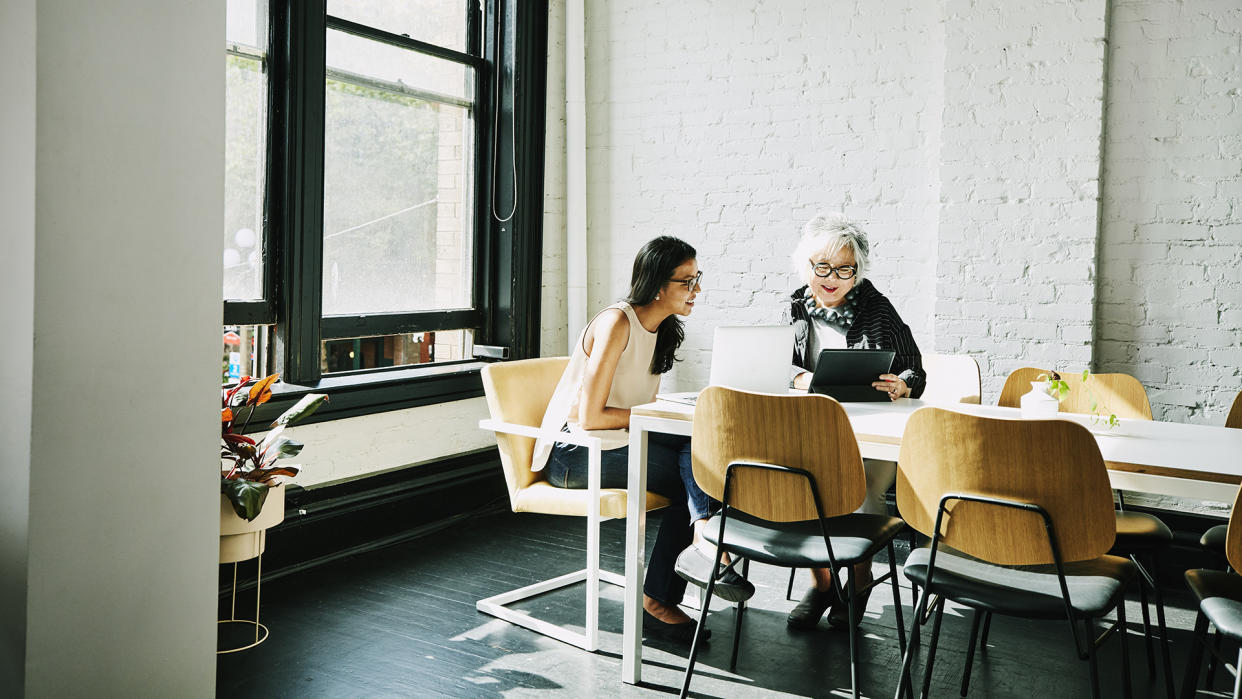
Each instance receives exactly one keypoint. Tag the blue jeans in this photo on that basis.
(668, 474)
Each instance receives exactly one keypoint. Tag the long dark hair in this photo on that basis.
(653, 267)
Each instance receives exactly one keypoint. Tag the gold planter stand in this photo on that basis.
(240, 541)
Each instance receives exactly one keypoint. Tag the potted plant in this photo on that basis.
(251, 479)
(1049, 390)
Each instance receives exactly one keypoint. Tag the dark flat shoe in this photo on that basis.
(838, 617)
(680, 633)
(814, 603)
(695, 566)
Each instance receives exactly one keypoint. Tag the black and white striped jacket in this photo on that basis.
(876, 326)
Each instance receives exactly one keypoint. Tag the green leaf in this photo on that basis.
(247, 497)
(1085, 374)
(309, 404)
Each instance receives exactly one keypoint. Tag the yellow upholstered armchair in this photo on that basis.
(517, 396)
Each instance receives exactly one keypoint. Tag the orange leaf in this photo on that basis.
(262, 391)
(226, 415)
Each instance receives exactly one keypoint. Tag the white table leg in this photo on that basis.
(635, 540)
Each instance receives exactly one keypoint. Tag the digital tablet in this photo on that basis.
(847, 374)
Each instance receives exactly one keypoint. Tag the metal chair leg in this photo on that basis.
(789, 587)
(1211, 668)
(905, 686)
(970, 650)
(1125, 648)
(850, 603)
(983, 637)
(1191, 679)
(738, 612)
(931, 649)
(892, 574)
(1237, 679)
(698, 629)
(1164, 629)
(1092, 664)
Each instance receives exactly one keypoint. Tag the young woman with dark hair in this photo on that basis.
(616, 365)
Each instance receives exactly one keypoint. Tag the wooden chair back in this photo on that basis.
(809, 432)
(952, 378)
(519, 392)
(1235, 413)
(1052, 463)
(1119, 394)
(1233, 537)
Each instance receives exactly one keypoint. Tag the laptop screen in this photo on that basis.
(752, 358)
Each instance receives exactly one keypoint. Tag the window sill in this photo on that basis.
(367, 393)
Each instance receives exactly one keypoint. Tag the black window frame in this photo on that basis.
(507, 48)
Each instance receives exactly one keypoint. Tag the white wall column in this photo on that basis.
(123, 496)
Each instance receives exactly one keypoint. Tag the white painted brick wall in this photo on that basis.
(731, 128)
(1019, 162)
(1170, 306)
(553, 326)
(966, 136)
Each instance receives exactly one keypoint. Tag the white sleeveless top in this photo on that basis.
(633, 384)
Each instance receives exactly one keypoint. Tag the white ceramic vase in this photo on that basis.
(1038, 404)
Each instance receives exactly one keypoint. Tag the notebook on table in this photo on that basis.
(847, 374)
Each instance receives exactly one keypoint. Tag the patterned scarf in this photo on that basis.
(840, 317)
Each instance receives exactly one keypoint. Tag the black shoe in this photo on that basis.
(814, 603)
(838, 618)
(694, 565)
(681, 633)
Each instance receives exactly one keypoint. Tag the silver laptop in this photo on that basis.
(753, 358)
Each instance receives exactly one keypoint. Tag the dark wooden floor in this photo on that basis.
(401, 622)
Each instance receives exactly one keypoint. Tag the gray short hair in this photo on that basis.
(832, 232)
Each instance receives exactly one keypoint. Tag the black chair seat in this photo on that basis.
(1139, 532)
(1214, 539)
(855, 537)
(1220, 598)
(1032, 592)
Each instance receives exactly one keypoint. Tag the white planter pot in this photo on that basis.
(1038, 404)
(241, 540)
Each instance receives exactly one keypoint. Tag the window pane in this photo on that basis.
(246, 351)
(355, 354)
(245, 141)
(440, 22)
(398, 68)
(247, 23)
(398, 190)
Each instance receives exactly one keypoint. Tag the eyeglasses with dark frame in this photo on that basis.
(843, 272)
(688, 283)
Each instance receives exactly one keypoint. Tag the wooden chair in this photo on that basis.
(1220, 603)
(517, 397)
(1213, 540)
(1121, 393)
(1020, 517)
(951, 378)
(789, 476)
(1139, 535)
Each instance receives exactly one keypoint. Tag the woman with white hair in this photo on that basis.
(839, 307)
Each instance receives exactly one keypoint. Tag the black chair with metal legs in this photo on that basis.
(788, 474)
(1213, 540)
(1219, 593)
(1020, 517)
(1141, 537)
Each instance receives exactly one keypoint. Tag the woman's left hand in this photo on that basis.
(893, 385)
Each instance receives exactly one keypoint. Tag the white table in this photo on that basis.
(1167, 458)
